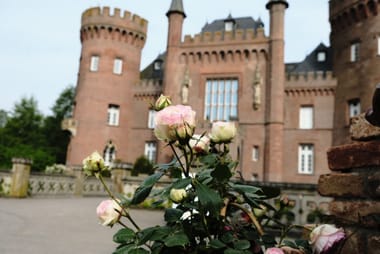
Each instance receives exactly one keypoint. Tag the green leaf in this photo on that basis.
(160, 233)
(291, 244)
(227, 237)
(143, 191)
(181, 183)
(124, 235)
(216, 244)
(209, 198)
(177, 239)
(221, 173)
(242, 245)
(146, 234)
(172, 214)
(232, 251)
(242, 188)
(209, 159)
(124, 249)
(138, 251)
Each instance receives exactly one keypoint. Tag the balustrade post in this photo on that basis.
(79, 181)
(20, 177)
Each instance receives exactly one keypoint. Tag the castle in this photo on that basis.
(288, 115)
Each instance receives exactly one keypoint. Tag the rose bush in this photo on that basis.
(214, 211)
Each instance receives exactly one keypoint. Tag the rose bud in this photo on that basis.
(323, 237)
(222, 132)
(199, 144)
(162, 102)
(175, 123)
(93, 164)
(108, 212)
(274, 251)
(177, 195)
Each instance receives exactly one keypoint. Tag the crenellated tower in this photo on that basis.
(109, 69)
(355, 39)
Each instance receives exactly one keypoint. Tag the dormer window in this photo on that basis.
(321, 56)
(229, 25)
(157, 65)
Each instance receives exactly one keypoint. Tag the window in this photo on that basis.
(228, 25)
(157, 65)
(151, 119)
(305, 159)
(94, 64)
(117, 66)
(255, 153)
(150, 151)
(378, 46)
(221, 99)
(353, 107)
(306, 117)
(109, 154)
(355, 51)
(321, 56)
(113, 115)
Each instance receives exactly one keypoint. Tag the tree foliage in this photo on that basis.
(27, 133)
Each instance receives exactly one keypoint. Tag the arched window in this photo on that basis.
(109, 153)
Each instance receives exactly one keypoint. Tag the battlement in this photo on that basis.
(103, 16)
(148, 88)
(239, 35)
(310, 76)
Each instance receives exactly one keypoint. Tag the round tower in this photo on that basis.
(355, 39)
(109, 69)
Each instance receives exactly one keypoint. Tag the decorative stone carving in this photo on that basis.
(257, 89)
(186, 84)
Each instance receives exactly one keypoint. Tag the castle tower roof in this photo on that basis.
(271, 2)
(176, 7)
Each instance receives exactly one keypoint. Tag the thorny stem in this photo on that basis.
(251, 216)
(283, 235)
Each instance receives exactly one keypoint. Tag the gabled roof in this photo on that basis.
(176, 7)
(311, 62)
(150, 72)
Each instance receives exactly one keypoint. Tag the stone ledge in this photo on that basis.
(356, 155)
(356, 212)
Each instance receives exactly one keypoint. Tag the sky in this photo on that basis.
(40, 46)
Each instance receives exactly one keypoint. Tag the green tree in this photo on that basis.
(142, 166)
(23, 136)
(57, 139)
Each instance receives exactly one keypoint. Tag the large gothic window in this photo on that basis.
(221, 99)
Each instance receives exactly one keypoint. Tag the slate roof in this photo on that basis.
(150, 73)
(311, 63)
(240, 23)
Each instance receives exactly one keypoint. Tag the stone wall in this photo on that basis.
(354, 183)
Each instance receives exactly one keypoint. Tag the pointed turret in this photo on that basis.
(176, 7)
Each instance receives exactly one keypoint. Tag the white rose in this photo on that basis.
(222, 132)
(177, 195)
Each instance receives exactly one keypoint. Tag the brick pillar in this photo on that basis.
(354, 183)
(20, 177)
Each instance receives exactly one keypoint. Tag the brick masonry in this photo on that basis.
(354, 183)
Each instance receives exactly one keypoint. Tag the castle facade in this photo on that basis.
(288, 114)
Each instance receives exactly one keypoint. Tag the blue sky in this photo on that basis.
(40, 47)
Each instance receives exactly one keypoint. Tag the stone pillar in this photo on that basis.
(20, 177)
(79, 179)
(354, 183)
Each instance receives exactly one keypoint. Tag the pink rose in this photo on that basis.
(175, 123)
(108, 212)
(222, 132)
(323, 237)
(199, 143)
(274, 251)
